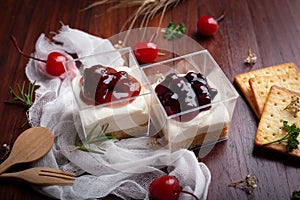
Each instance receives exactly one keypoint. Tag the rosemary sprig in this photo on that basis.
(84, 145)
(23, 96)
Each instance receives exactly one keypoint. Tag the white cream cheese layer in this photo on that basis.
(210, 121)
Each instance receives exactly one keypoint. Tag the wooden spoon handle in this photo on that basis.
(6, 165)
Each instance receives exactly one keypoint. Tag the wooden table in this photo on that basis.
(271, 28)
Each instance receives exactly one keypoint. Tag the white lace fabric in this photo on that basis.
(127, 167)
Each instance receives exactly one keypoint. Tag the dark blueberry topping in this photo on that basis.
(182, 93)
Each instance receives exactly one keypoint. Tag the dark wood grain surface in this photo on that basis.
(271, 28)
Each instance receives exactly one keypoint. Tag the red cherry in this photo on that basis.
(207, 25)
(145, 52)
(54, 64)
(165, 188)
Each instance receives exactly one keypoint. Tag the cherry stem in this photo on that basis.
(221, 17)
(21, 52)
(186, 192)
(152, 37)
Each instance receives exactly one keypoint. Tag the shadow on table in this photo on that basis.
(263, 153)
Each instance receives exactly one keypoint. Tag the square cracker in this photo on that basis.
(261, 85)
(270, 127)
(242, 80)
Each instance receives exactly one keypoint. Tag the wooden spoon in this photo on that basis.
(30, 146)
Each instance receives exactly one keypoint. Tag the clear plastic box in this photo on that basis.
(127, 117)
(212, 122)
(144, 115)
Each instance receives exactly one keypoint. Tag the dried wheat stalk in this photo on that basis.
(147, 8)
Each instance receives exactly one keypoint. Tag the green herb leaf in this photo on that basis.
(92, 138)
(290, 138)
(21, 95)
(174, 31)
(296, 195)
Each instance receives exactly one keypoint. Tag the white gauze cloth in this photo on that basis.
(127, 167)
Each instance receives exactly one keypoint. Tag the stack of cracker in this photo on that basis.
(273, 93)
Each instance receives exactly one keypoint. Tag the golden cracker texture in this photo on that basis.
(242, 80)
(270, 127)
(260, 87)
